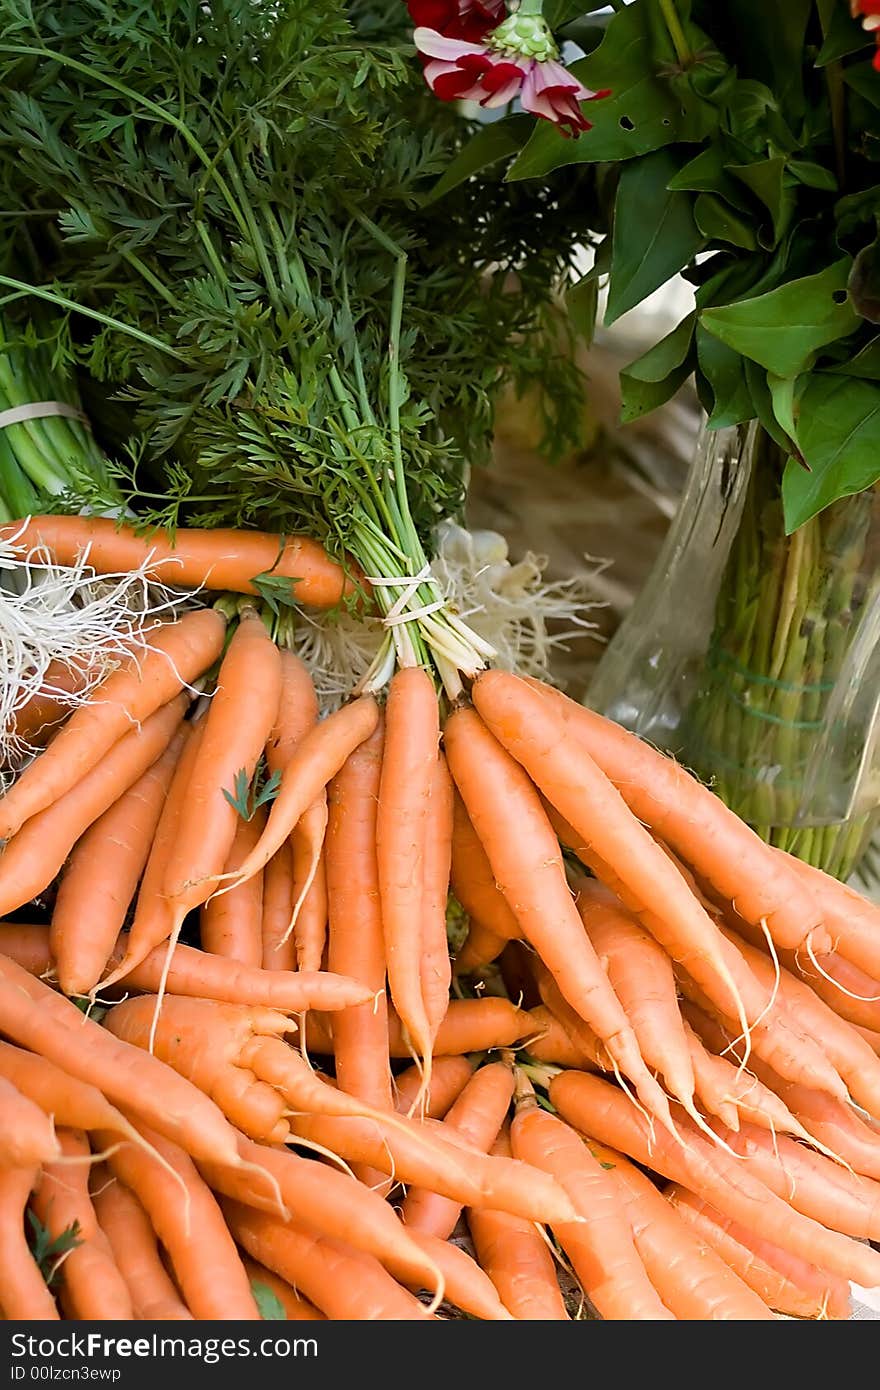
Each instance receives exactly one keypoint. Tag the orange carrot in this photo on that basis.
(852, 1057)
(311, 766)
(686, 1271)
(527, 862)
(641, 976)
(435, 967)
(780, 1279)
(205, 1041)
(758, 1094)
(449, 1077)
(726, 853)
(852, 920)
(356, 938)
(774, 1034)
(516, 1258)
(153, 920)
(296, 1309)
(133, 1242)
(470, 1025)
(232, 925)
(176, 654)
(239, 720)
(346, 1284)
(38, 1018)
(199, 975)
(27, 1137)
(423, 1159)
(310, 885)
(90, 1277)
(49, 706)
(297, 715)
(467, 1287)
(473, 881)
(185, 1216)
(279, 947)
(477, 1115)
(297, 711)
(412, 734)
(212, 559)
(69, 1101)
(34, 856)
(601, 1250)
(481, 947)
(549, 1042)
(24, 1296)
(809, 1182)
(102, 875)
(322, 1198)
(601, 1111)
(538, 733)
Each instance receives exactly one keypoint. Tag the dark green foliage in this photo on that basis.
(226, 190)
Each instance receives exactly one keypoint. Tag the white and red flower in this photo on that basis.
(470, 20)
(498, 62)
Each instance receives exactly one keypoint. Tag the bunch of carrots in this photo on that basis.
(650, 1075)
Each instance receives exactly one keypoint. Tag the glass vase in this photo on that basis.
(754, 657)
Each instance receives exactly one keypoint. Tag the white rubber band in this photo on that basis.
(38, 410)
(399, 612)
(412, 615)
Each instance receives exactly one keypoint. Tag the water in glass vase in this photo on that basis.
(754, 657)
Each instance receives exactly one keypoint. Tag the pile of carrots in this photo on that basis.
(646, 1086)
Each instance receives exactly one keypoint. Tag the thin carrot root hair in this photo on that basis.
(746, 1035)
(862, 998)
(321, 1149)
(244, 1165)
(163, 980)
(707, 1129)
(646, 1114)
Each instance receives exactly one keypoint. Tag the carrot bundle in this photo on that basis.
(327, 846)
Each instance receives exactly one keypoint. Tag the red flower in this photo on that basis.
(470, 20)
(457, 70)
(549, 90)
(870, 12)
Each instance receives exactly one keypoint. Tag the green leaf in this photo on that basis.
(765, 41)
(46, 1250)
(784, 327)
(766, 179)
(706, 173)
(762, 404)
(654, 236)
(866, 363)
(582, 306)
(276, 591)
(270, 1305)
(249, 794)
(864, 282)
(724, 371)
(813, 175)
(498, 140)
(644, 111)
(717, 221)
(856, 209)
(845, 35)
(782, 392)
(655, 376)
(864, 79)
(839, 437)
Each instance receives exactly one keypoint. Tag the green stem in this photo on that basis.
(61, 301)
(676, 32)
